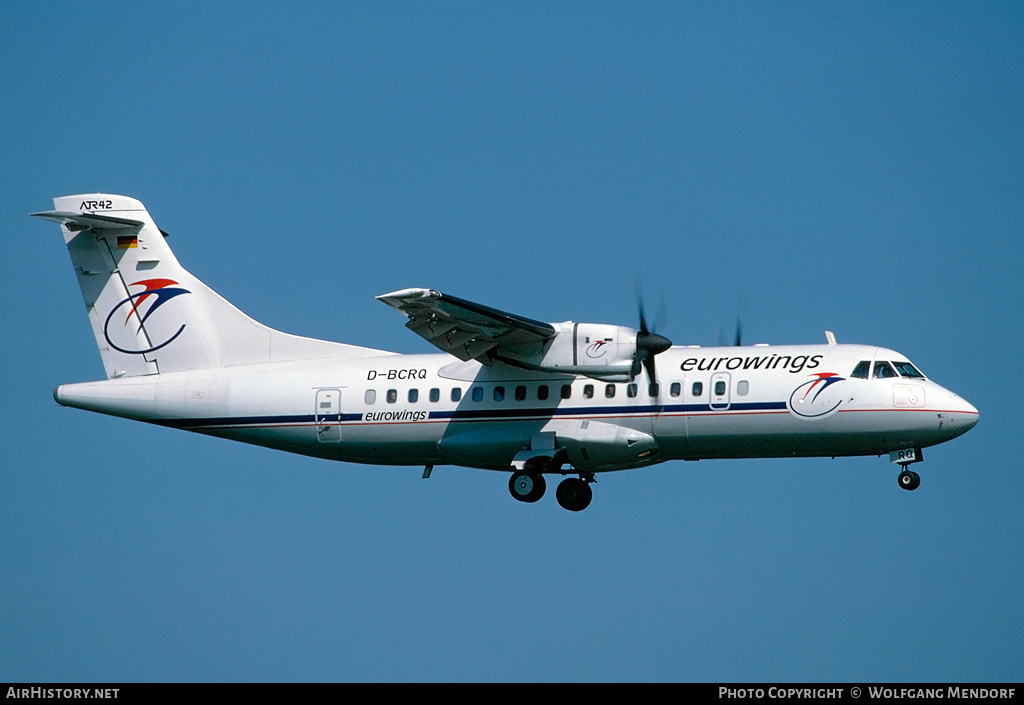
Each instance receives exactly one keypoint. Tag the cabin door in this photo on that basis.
(327, 415)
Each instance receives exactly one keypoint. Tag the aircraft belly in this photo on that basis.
(488, 445)
(587, 443)
(412, 443)
(782, 434)
(355, 446)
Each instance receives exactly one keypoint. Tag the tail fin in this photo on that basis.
(149, 315)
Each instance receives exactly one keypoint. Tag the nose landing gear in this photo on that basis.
(909, 480)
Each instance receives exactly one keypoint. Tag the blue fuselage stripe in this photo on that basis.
(476, 414)
(498, 414)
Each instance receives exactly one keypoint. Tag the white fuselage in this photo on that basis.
(506, 392)
(736, 402)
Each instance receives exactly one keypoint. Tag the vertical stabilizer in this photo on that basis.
(149, 315)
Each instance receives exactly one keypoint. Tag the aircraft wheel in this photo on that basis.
(527, 487)
(574, 494)
(909, 480)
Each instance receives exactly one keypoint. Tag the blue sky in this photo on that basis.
(853, 168)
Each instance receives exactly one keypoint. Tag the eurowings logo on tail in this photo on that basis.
(135, 312)
(810, 400)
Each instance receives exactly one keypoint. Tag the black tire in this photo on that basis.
(574, 494)
(526, 486)
(909, 480)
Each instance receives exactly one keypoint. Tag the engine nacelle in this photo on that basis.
(597, 350)
(596, 446)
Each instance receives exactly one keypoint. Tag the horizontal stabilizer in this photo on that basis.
(81, 221)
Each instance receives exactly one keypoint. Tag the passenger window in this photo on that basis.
(392, 396)
(653, 389)
(630, 390)
(675, 389)
(883, 370)
(435, 394)
(609, 390)
(742, 388)
(414, 396)
(697, 389)
(478, 393)
(499, 394)
(588, 391)
(370, 396)
(542, 392)
(566, 391)
(521, 393)
(861, 370)
(456, 393)
(720, 388)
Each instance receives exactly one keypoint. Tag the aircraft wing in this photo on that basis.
(467, 330)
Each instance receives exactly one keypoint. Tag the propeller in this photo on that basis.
(648, 343)
(738, 340)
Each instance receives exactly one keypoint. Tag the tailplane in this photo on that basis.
(149, 315)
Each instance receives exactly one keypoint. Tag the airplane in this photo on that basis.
(506, 392)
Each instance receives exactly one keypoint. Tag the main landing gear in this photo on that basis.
(527, 486)
(572, 493)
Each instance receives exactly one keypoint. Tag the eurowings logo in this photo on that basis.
(815, 398)
(598, 348)
(133, 331)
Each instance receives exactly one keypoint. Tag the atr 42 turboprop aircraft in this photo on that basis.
(507, 393)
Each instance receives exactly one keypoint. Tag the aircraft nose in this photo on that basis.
(962, 416)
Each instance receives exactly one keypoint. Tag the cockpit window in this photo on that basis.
(883, 370)
(907, 370)
(861, 370)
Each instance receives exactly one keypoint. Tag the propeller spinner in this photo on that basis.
(648, 345)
